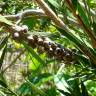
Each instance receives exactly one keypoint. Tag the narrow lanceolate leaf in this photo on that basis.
(33, 53)
(94, 28)
(3, 82)
(54, 3)
(83, 15)
(84, 90)
(3, 42)
(79, 10)
(2, 56)
(75, 3)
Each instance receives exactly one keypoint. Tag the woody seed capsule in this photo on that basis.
(50, 50)
(30, 39)
(35, 38)
(40, 41)
(16, 34)
(53, 45)
(57, 51)
(46, 44)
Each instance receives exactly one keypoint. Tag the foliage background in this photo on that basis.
(26, 72)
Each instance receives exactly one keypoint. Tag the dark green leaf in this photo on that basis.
(83, 15)
(30, 22)
(82, 59)
(75, 3)
(24, 90)
(2, 56)
(3, 42)
(84, 90)
(34, 54)
(51, 5)
(65, 93)
(40, 78)
(81, 12)
(94, 28)
(54, 3)
(3, 82)
(51, 92)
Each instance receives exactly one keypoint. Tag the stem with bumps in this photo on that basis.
(44, 44)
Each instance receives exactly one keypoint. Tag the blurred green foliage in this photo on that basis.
(46, 76)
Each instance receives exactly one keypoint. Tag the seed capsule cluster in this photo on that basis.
(43, 44)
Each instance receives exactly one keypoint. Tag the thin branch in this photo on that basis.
(26, 13)
(19, 33)
(38, 14)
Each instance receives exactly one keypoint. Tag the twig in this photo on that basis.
(38, 14)
(26, 13)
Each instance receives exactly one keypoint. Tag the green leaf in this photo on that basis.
(51, 5)
(35, 89)
(24, 90)
(83, 15)
(66, 84)
(54, 3)
(52, 92)
(94, 27)
(70, 36)
(74, 84)
(34, 54)
(61, 83)
(3, 82)
(40, 78)
(2, 93)
(3, 42)
(30, 22)
(64, 93)
(82, 59)
(79, 10)
(84, 90)
(2, 56)
(75, 3)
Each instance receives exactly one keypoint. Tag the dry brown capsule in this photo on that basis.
(50, 51)
(40, 41)
(25, 28)
(16, 35)
(57, 51)
(68, 58)
(46, 44)
(35, 38)
(53, 45)
(31, 41)
(40, 49)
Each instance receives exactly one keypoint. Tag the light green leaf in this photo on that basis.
(4, 20)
